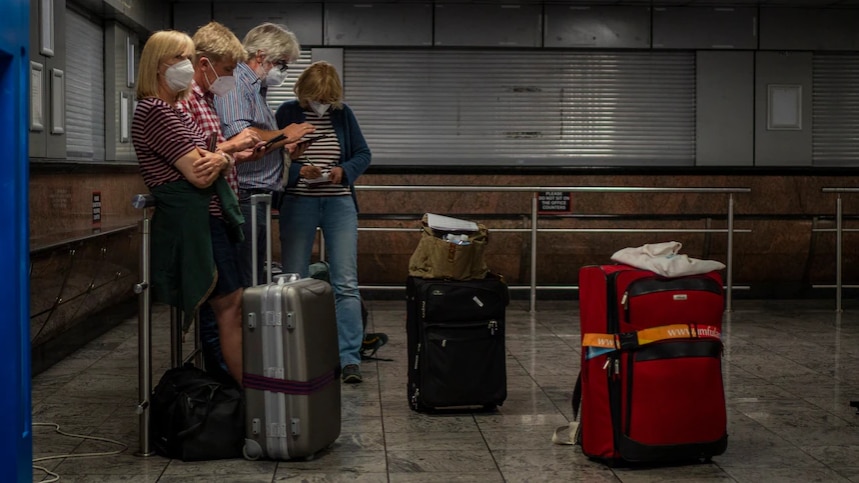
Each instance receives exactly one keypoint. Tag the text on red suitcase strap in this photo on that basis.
(263, 383)
(598, 344)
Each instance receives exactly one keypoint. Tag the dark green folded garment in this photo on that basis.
(183, 267)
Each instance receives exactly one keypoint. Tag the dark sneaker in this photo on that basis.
(351, 374)
(372, 342)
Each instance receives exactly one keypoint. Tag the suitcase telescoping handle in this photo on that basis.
(257, 199)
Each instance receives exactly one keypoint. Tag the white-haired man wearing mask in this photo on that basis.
(269, 48)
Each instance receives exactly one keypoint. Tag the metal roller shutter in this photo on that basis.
(835, 109)
(524, 107)
(84, 89)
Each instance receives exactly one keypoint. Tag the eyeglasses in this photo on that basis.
(282, 65)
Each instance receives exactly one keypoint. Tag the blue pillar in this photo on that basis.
(16, 451)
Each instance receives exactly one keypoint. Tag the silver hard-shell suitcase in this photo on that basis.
(291, 368)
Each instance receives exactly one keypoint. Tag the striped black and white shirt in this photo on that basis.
(325, 154)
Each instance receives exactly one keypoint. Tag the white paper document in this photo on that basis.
(320, 180)
(446, 223)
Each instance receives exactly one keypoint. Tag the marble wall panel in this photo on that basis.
(61, 203)
(75, 271)
(780, 211)
(779, 249)
(78, 279)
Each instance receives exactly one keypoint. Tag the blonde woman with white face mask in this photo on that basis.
(320, 193)
(191, 232)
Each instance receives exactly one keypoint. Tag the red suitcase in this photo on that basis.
(651, 379)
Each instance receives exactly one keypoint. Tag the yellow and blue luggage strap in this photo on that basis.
(598, 344)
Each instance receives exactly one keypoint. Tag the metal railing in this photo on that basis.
(839, 233)
(534, 229)
(144, 326)
(145, 202)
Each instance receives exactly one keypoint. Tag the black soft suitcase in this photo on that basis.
(456, 349)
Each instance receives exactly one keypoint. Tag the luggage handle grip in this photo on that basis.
(256, 200)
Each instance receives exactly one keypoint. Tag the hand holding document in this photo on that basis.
(320, 180)
(448, 224)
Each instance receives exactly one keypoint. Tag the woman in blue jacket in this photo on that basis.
(320, 192)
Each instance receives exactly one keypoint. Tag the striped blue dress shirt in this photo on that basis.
(245, 107)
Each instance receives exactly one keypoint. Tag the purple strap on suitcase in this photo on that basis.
(252, 381)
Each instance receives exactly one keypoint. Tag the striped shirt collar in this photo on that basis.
(246, 75)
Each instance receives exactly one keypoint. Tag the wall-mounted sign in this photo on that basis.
(96, 209)
(554, 202)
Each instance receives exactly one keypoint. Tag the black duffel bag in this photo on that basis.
(196, 417)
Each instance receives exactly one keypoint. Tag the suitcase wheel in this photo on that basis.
(252, 451)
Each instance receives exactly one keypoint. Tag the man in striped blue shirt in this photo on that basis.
(270, 48)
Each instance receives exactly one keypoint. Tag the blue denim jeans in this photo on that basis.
(338, 219)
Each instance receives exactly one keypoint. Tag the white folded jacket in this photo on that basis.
(665, 259)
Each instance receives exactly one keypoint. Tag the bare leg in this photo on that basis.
(228, 313)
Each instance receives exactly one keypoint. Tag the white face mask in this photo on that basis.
(319, 108)
(222, 85)
(275, 77)
(179, 75)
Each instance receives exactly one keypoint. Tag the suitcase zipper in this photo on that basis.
(473, 301)
(629, 373)
(612, 315)
(611, 367)
(645, 286)
(615, 402)
(492, 327)
(415, 397)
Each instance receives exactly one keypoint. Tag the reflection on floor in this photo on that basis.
(790, 367)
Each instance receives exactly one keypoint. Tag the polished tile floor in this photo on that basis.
(790, 368)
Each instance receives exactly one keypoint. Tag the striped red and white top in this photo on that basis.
(161, 135)
(325, 154)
